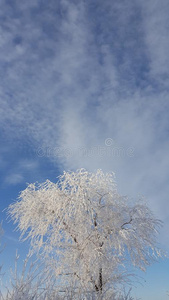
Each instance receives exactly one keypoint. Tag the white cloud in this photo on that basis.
(27, 164)
(14, 179)
(156, 26)
(19, 171)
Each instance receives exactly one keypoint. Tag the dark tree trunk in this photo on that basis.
(99, 286)
(100, 280)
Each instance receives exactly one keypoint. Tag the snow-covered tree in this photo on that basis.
(86, 232)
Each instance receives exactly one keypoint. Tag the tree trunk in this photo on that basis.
(100, 280)
(99, 286)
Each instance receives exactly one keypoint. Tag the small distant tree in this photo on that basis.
(86, 232)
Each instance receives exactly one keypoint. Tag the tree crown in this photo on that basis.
(86, 228)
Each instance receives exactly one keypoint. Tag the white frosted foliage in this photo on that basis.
(85, 230)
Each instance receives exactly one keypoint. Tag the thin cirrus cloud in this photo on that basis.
(14, 179)
(75, 74)
(156, 25)
(20, 171)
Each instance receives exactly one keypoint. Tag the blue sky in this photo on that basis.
(86, 84)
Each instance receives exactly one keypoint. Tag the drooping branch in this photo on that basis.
(101, 196)
(68, 229)
(126, 223)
